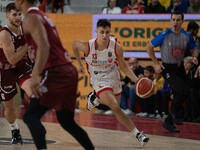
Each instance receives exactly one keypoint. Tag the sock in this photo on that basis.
(13, 126)
(135, 131)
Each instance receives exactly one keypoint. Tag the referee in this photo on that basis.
(174, 43)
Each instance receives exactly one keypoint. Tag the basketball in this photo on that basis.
(144, 87)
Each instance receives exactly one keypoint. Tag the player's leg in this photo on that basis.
(108, 98)
(10, 116)
(32, 118)
(25, 86)
(66, 120)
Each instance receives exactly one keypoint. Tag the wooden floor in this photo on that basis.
(106, 134)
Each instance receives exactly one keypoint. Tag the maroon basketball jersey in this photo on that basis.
(57, 55)
(18, 40)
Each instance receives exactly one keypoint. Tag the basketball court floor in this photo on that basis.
(106, 134)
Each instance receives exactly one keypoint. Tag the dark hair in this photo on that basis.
(10, 6)
(150, 69)
(178, 13)
(32, 1)
(192, 25)
(103, 23)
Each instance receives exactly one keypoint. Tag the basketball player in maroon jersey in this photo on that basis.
(14, 67)
(54, 79)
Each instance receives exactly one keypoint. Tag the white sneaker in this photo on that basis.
(142, 138)
(128, 112)
(108, 112)
(90, 99)
(142, 114)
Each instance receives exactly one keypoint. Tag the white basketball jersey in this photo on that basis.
(102, 65)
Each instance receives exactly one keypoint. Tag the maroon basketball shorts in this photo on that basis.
(61, 87)
(8, 80)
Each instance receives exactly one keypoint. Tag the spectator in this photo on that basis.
(122, 3)
(178, 5)
(162, 96)
(134, 7)
(129, 93)
(192, 102)
(111, 8)
(194, 8)
(154, 7)
(193, 29)
(164, 3)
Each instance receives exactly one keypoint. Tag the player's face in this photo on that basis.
(176, 22)
(103, 34)
(15, 17)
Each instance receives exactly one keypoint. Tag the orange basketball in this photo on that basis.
(144, 87)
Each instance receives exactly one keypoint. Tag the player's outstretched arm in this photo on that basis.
(123, 65)
(12, 55)
(78, 46)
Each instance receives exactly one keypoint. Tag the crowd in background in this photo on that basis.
(135, 6)
(151, 6)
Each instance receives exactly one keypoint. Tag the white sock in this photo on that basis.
(13, 126)
(96, 102)
(135, 131)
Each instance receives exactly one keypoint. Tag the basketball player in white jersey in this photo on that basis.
(102, 55)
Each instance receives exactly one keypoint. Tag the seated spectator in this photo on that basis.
(192, 103)
(134, 7)
(178, 5)
(194, 7)
(128, 93)
(165, 3)
(162, 96)
(122, 3)
(111, 8)
(154, 7)
(193, 29)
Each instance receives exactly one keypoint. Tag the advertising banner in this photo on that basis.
(135, 31)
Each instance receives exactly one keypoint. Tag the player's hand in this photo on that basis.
(35, 86)
(197, 73)
(159, 67)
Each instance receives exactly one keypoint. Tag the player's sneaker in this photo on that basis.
(170, 127)
(90, 99)
(142, 138)
(16, 137)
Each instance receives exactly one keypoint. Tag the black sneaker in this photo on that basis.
(16, 137)
(142, 138)
(170, 127)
